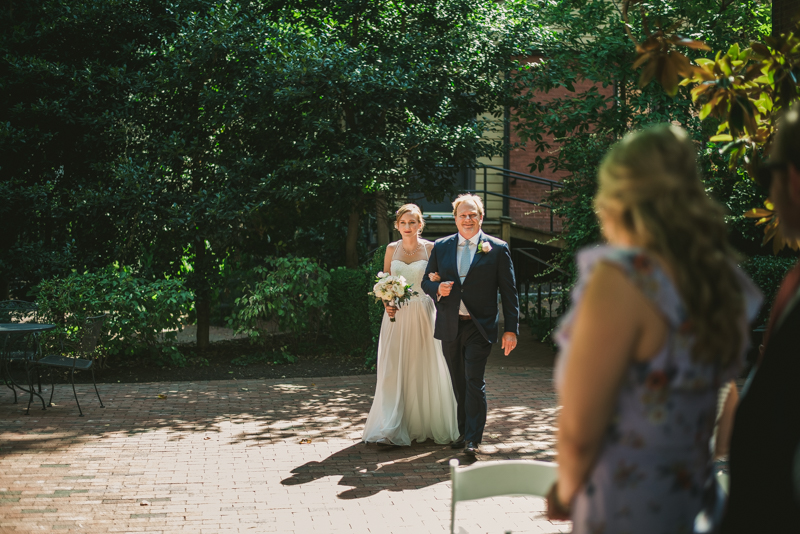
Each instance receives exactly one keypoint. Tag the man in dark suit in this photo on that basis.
(764, 456)
(472, 267)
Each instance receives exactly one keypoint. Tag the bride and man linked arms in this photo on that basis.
(432, 358)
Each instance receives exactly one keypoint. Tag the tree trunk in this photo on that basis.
(202, 308)
(383, 220)
(202, 304)
(351, 250)
(4, 287)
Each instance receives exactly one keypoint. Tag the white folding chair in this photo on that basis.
(492, 479)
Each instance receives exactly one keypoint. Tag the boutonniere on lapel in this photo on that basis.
(484, 247)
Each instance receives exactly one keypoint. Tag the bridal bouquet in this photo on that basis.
(393, 290)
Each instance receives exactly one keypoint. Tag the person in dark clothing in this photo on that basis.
(766, 430)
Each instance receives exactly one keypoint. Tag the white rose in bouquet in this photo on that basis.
(392, 290)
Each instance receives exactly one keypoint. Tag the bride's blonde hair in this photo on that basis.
(653, 175)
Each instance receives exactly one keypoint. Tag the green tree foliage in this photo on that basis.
(586, 54)
(168, 135)
(65, 86)
(391, 93)
(743, 90)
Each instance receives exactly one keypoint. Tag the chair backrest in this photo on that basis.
(91, 333)
(17, 311)
(506, 477)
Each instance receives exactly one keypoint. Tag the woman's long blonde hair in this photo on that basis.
(653, 175)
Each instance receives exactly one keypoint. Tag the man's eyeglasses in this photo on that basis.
(468, 217)
(765, 170)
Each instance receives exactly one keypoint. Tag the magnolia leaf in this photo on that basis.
(700, 89)
(757, 213)
(668, 76)
(647, 74)
(704, 62)
(650, 44)
(693, 44)
(704, 112)
(681, 63)
(718, 138)
(770, 231)
(760, 49)
(642, 59)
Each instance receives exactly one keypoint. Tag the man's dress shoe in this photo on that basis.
(458, 444)
(471, 448)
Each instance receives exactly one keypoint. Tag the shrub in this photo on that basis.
(375, 309)
(348, 306)
(144, 316)
(291, 294)
(767, 272)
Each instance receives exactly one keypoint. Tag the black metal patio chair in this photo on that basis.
(87, 345)
(16, 348)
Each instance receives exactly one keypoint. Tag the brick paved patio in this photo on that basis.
(227, 456)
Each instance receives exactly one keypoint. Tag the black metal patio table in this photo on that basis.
(19, 343)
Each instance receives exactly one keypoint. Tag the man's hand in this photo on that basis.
(509, 342)
(445, 288)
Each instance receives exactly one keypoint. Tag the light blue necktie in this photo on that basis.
(463, 266)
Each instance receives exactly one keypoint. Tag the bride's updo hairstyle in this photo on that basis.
(410, 208)
(653, 176)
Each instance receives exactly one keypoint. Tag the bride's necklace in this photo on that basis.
(413, 252)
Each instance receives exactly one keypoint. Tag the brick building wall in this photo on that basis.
(520, 160)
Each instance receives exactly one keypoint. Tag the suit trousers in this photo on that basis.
(466, 360)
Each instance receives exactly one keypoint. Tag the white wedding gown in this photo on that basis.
(414, 396)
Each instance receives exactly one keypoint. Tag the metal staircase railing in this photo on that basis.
(507, 175)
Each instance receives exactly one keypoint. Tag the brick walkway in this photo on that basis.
(228, 456)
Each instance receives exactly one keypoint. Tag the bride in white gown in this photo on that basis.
(414, 397)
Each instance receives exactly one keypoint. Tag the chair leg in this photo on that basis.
(9, 382)
(72, 377)
(30, 385)
(52, 389)
(95, 387)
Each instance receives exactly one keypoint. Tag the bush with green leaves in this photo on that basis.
(375, 309)
(348, 306)
(767, 272)
(290, 294)
(144, 316)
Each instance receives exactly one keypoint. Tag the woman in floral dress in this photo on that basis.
(658, 323)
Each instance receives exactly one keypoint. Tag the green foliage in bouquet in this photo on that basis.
(291, 295)
(348, 309)
(144, 315)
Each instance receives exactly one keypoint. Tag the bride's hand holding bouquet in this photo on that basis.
(393, 291)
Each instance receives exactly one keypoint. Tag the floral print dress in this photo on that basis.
(655, 457)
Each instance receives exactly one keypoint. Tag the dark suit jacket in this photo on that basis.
(488, 273)
(766, 432)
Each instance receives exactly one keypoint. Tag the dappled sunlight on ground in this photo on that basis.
(270, 456)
